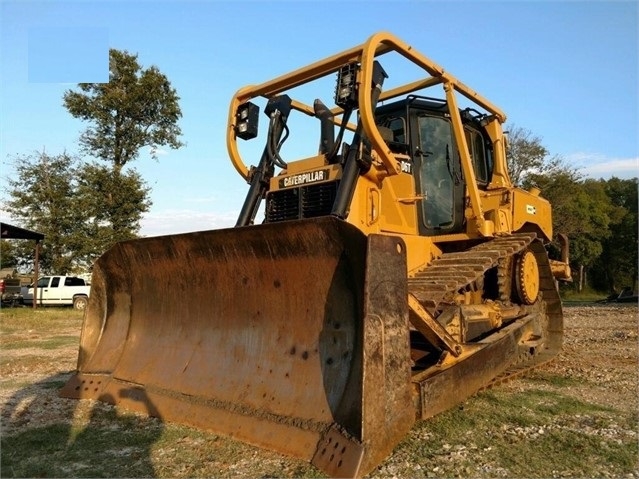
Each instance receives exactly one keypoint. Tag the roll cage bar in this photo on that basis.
(365, 55)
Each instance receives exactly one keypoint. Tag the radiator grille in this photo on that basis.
(304, 202)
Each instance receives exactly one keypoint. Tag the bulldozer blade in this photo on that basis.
(290, 336)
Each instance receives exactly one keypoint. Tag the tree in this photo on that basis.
(81, 209)
(136, 108)
(582, 210)
(42, 198)
(84, 209)
(8, 254)
(599, 217)
(114, 203)
(617, 267)
(526, 155)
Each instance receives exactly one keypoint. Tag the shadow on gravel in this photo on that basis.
(44, 435)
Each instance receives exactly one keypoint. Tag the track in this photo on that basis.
(509, 351)
(452, 272)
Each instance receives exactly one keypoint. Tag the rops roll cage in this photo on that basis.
(365, 56)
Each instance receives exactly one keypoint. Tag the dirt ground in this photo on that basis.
(600, 343)
(598, 364)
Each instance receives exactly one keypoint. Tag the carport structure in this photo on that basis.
(14, 232)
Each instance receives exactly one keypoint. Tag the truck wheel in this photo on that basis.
(80, 302)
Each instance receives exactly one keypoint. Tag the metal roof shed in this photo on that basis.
(14, 232)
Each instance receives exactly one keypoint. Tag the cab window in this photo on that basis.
(436, 174)
(477, 154)
(398, 127)
(394, 132)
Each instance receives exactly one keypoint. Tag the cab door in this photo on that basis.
(43, 290)
(54, 293)
(438, 175)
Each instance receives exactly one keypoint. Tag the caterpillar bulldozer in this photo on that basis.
(395, 272)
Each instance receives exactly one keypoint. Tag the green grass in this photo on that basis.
(12, 383)
(62, 450)
(55, 384)
(41, 320)
(530, 434)
(115, 445)
(44, 328)
(572, 451)
(24, 363)
(587, 295)
(42, 343)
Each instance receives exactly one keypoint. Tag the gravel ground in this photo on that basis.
(598, 365)
(600, 351)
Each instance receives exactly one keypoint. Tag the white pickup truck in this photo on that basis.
(59, 291)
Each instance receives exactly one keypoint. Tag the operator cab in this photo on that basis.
(420, 127)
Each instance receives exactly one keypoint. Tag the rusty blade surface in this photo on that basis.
(253, 332)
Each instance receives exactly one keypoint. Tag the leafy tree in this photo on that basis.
(616, 268)
(582, 210)
(42, 198)
(84, 209)
(526, 155)
(114, 203)
(136, 108)
(81, 209)
(8, 254)
(599, 217)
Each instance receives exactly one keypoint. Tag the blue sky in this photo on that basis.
(567, 71)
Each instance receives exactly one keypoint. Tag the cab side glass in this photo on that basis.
(436, 178)
(478, 155)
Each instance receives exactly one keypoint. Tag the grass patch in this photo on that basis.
(54, 384)
(561, 451)
(42, 320)
(184, 452)
(62, 450)
(54, 342)
(12, 383)
(517, 409)
(495, 433)
(530, 434)
(114, 445)
(26, 362)
(586, 295)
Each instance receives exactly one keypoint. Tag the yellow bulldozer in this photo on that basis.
(396, 271)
